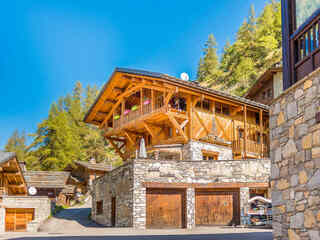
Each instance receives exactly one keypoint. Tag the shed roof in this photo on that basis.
(46, 179)
(95, 166)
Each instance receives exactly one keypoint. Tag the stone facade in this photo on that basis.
(193, 151)
(117, 183)
(41, 206)
(295, 154)
(130, 182)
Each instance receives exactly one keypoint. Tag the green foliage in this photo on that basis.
(63, 137)
(256, 48)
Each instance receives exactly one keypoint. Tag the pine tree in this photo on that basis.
(208, 70)
(17, 143)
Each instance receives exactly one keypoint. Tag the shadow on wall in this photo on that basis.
(238, 236)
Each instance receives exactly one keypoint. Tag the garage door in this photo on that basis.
(17, 219)
(165, 208)
(217, 207)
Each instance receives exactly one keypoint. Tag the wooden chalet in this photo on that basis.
(12, 182)
(268, 86)
(165, 110)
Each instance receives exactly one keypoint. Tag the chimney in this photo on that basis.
(92, 160)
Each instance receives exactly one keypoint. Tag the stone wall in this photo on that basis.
(295, 154)
(119, 184)
(41, 205)
(193, 151)
(193, 172)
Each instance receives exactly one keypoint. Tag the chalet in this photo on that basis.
(295, 126)
(18, 211)
(268, 86)
(207, 151)
(83, 173)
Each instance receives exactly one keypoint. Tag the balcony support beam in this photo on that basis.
(177, 126)
(261, 132)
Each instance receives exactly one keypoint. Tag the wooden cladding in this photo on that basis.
(165, 208)
(16, 219)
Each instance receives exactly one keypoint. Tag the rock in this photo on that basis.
(307, 141)
(303, 177)
(314, 235)
(298, 121)
(309, 219)
(296, 221)
(310, 112)
(280, 119)
(298, 93)
(292, 110)
(289, 149)
(318, 216)
(316, 138)
(315, 180)
(300, 207)
(292, 235)
(307, 84)
(316, 152)
(291, 131)
(274, 171)
(294, 180)
(283, 184)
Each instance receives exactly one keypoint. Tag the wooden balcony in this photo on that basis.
(252, 149)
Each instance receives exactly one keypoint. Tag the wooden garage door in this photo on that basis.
(17, 219)
(165, 208)
(217, 207)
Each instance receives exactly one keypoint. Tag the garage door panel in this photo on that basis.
(17, 219)
(217, 208)
(165, 208)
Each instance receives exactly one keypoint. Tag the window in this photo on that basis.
(222, 109)
(257, 118)
(209, 156)
(99, 207)
(205, 105)
(269, 93)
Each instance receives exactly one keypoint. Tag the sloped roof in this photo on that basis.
(193, 86)
(6, 156)
(46, 179)
(95, 166)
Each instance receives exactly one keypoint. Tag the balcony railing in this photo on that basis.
(305, 47)
(3, 191)
(253, 148)
(138, 113)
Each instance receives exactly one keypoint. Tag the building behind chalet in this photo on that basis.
(207, 153)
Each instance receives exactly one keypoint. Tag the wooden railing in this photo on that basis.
(133, 115)
(305, 48)
(3, 191)
(253, 148)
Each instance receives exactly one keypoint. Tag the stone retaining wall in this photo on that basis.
(295, 154)
(193, 172)
(41, 205)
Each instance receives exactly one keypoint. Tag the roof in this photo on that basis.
(6, 156)
(265, 77)
(46, 179)
(95, 166)
(173, 80)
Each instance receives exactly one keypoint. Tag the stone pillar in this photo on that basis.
(190, 214)
(139, 208)
(244, 205)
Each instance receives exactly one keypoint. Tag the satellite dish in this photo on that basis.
(184, 76)
(32, 191)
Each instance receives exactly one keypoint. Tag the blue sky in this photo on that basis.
(48, 45)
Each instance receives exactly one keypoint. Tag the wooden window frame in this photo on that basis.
(209, 155)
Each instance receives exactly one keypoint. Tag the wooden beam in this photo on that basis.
(129, 137)
(189, 111)
(116, 148)
(261, 132)
(109, 101)
(168, 97)
(126, 93)
(235, 111)
(11, 174)
(16, 185)
(177, 126)
(152, 100)
(150, 130)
